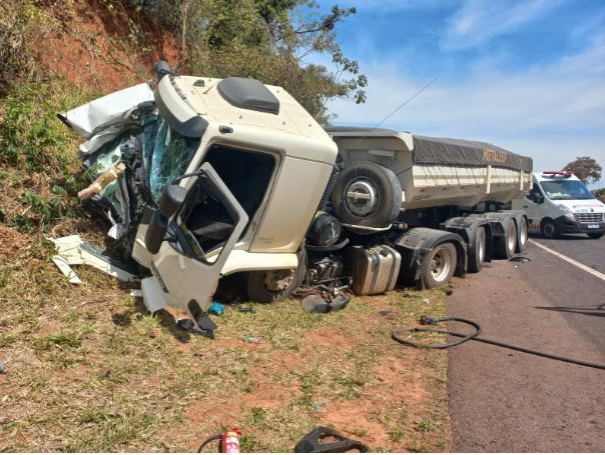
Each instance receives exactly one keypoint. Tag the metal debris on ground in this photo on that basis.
(72, 250)
(521, 259)
(2, 368)
(246, 310)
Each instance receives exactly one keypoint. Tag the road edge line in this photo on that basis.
(570, 260)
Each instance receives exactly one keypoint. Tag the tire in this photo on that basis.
(439, 265)
(549, 229)
(504, 247)
(378, 195)
(268, 286)
(477, 256)
(596, 235)
(522, 235)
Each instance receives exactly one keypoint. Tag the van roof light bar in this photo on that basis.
(565, 174)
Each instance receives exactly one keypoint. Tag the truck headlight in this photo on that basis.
(567, 213)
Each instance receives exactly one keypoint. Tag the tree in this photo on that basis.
(269, 40)
(585, 168)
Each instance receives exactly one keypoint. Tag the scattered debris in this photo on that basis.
(313, 442)
(246, 310)
(449, 291)
(385, 312)
(252, 339)
(521, 259)
(2, 368)
(136, 293)
(324, 303)
(74, 251)
(216, 308)
(407, 296)
(426, 301)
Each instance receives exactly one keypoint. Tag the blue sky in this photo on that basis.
(525, 75)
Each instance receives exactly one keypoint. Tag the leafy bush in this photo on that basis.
(21, 24)
(39, 153)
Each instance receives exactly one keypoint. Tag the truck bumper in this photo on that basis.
(567, 226)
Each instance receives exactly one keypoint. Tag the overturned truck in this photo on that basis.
(204, 178)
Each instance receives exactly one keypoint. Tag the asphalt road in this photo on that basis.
(503, 400)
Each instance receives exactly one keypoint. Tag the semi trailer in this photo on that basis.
(205, 178)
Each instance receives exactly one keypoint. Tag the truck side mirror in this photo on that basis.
(538, 198)
(172, 199)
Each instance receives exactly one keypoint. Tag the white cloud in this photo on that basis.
(478, 21)
(552, 113)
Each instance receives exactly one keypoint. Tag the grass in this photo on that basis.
(88, 369)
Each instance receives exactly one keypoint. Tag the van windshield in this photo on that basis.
(565, 190)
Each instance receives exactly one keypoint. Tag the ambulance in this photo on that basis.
(559, 203)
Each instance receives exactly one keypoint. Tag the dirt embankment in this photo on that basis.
(104, 46)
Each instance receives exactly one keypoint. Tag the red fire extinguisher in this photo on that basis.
(228, 441)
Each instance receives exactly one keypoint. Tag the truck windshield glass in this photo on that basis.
(166, 153)
(565, 190)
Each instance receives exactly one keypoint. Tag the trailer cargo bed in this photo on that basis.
(437, 172)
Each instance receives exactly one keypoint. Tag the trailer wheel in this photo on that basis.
(504, 247)
(439, 265)
(522, 235)
(475, 260)
(549, 229)
(367, 194)
(268, 286)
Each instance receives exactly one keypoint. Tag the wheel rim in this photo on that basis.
(362, 197)
(480, 245)
(523, 233)
(441, 263)
(510, 238)
(549, 230)
(278, 280)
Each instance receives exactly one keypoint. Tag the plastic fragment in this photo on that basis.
(252, 339)
(426, 301)
(216, 308)
(2, 368)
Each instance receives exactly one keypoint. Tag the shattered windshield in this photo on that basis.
(565, 190)
(166, 153)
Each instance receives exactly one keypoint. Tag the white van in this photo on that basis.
(559, 203)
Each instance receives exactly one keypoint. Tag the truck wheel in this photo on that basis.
(439, 265)
(596, 235)
(522, 235)
(477, 256)
(504, 247)
(268, 286)
(367, 194)
(549, 229)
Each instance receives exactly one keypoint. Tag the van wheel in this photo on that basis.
(439, 265)
(268, 286)
(504, 247)
(549, 229)
(367, 194)
(477, 256)
(522, 235)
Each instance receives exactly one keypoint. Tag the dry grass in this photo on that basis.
(88, 369)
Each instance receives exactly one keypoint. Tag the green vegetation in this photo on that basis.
(270, 40)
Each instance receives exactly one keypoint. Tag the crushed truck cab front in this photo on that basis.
(250, 162)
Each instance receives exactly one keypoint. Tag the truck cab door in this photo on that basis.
(198, 240)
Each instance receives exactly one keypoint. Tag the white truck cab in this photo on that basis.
(559, 203)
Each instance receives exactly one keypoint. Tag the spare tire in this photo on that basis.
(367, 194)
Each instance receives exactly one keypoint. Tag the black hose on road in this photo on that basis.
(398, 335)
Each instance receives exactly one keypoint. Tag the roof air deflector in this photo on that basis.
(248, 94)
